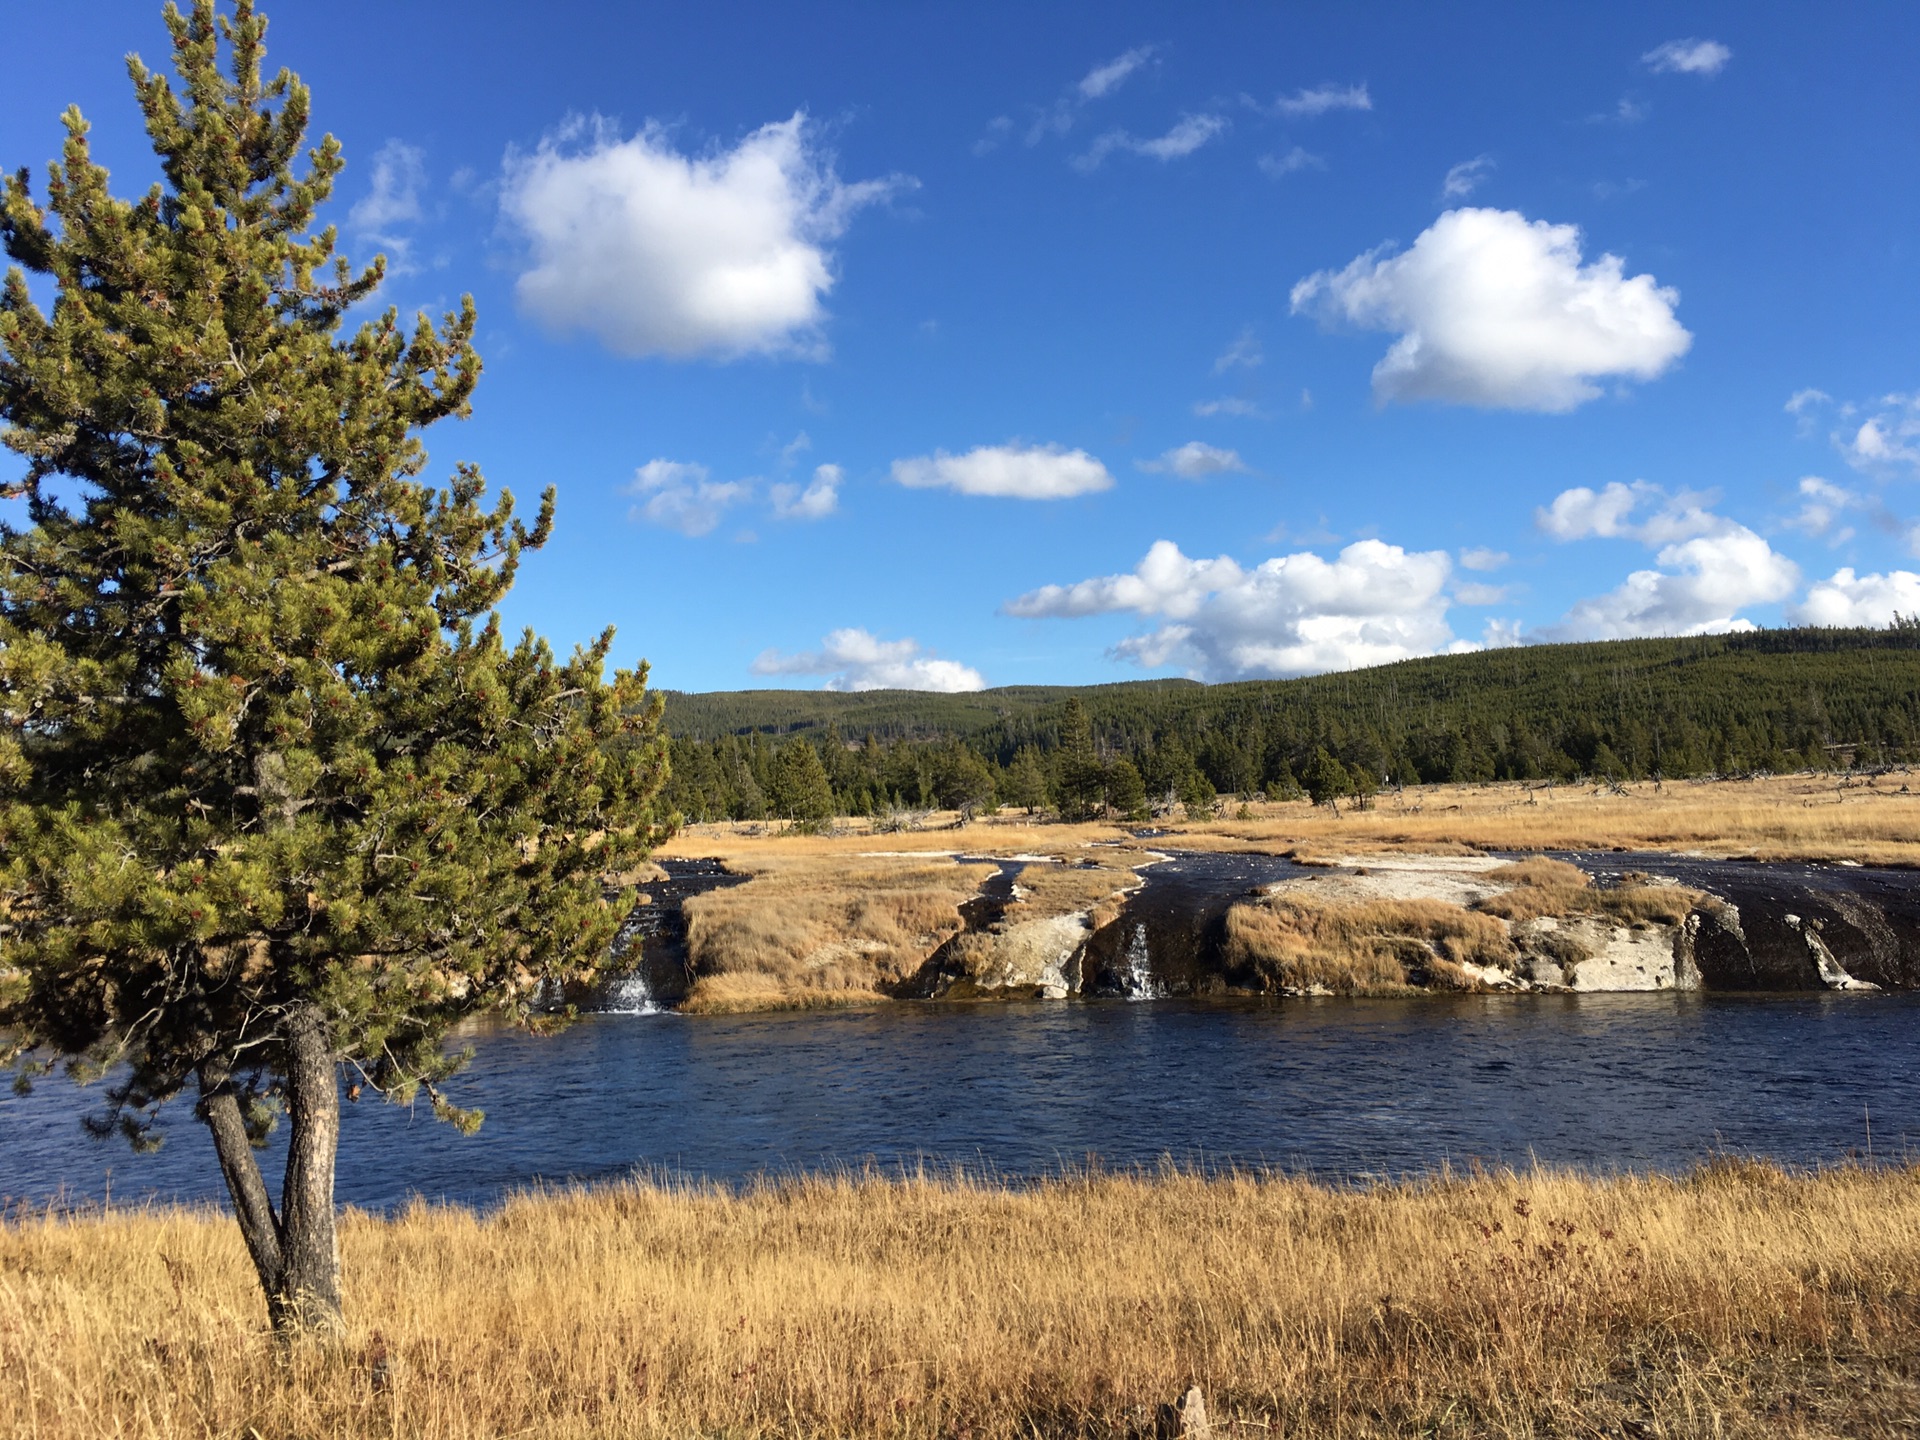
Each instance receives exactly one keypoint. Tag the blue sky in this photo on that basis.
(952, 344)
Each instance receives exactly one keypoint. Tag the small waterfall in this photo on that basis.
(628, 994)
(1136, 977)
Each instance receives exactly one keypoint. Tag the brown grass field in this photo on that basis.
(1875, 820)
(1731, 1302)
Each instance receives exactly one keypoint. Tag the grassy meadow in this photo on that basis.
(1737, 1300)
(1871, 819)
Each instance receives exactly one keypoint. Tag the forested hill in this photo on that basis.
(1769, 699)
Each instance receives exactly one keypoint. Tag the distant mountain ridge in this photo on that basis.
(1769, 700)
(1856, 675)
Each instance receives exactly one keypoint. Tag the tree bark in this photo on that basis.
(309, 1242)
(296, 1252)
(259, 1226)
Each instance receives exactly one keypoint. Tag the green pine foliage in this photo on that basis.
(264, 751)
(1771, 700)
(799, 788)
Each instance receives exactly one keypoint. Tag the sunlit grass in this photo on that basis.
(1734, 1301)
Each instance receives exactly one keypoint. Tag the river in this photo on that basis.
(1339, 1088)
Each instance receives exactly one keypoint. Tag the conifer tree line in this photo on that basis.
(1766, 701)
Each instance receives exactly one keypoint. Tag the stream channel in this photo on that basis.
(1760, 1061)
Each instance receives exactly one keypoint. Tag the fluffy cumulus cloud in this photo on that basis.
(655, 252)
(1021, 472)
(1688, 57)
(1888, 439)
(1707, 568)
(1639, 511)
(1496, 310)
(1849, 599)
(1483, 558)
(1188, 134)
(820, 498)
(1291, 615)
(683, 496)
(854, 659)
(1195, 460)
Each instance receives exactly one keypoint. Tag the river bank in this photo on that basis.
(1735, 1300)
(1783, 883)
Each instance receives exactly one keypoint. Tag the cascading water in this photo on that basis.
(1136, 973)
(629, 995)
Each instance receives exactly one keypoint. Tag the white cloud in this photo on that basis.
(1463, 179)
(682, 496)
(399, 172)
(1187, 136)
(1024, 472)
(1322, 98)
(855, 659)
(820, 499)
(1802, 401)
(658, 253)
(1821, 504)
(1291, 615)
(1704, 583)
(1105, 79)
(1888, 439)
(1195, 460)
(1230, 405)
(1609, 513)
(1495, 310)
(1711, 568)
(1688, 57)
(1274, 167)
(1848, 599)
(1483, 558)
(1243, 353)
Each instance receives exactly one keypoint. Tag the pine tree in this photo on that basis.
(1126, 791)
(276, 798)
(1027, 780)
(1079, 783)
(1326, 779)
(798, 785)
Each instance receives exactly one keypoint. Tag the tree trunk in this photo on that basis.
(309, 1243)
(295, 1252)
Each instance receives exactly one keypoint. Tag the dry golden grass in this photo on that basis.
(802, 933)
(1734, 1302)
(1370, 947)
(1553, 887)
(1783, 817)
(1786, 817)
(1091, 880)
(1294, 939)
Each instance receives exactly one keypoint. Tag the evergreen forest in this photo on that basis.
(1733, 704)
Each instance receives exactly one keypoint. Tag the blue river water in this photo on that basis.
(1338, 1088)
